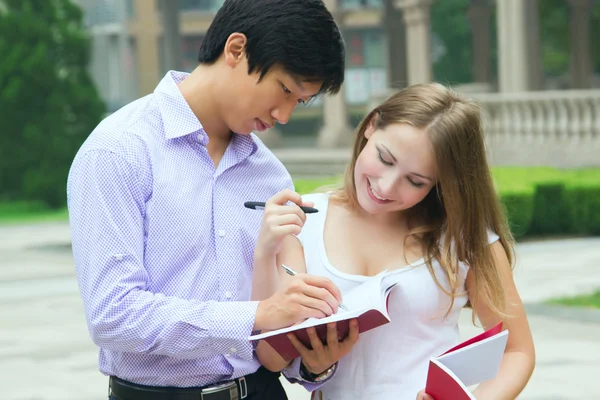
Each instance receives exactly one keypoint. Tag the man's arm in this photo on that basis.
(106, 201)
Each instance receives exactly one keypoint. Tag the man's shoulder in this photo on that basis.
(126, 132)
(266, 158)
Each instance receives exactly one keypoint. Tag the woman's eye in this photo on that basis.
(384, 161)
(285, 89)
(416, 184)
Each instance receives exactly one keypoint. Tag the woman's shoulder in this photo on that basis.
(317, 198)
(492, 236)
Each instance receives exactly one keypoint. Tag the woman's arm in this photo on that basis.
(518, 361)
(292, 255)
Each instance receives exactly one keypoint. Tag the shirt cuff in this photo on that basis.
(232, 324)
(292, 374)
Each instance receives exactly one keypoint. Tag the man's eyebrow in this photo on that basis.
(299, 83)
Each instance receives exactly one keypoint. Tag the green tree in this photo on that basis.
(48, 102)
(554, 27)
(450, 26)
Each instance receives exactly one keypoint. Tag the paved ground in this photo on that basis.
(46, 353)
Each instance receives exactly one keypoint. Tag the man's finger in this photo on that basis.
(288, 219)
(332, 335)
(315, 340)
(320, 298)
(324, 283)
(352, 337)
(301, 348)
(284, 196)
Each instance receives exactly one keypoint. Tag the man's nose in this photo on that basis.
(283, 112)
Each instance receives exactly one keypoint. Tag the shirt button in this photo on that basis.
(199, 137)
(233, 349)
(228, 294)
(221, 232)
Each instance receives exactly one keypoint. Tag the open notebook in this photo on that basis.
(367, 302)
(469, 363)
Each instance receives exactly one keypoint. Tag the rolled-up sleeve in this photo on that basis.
(106, 201)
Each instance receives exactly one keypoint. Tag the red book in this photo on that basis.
(469, 363)
(367, 303)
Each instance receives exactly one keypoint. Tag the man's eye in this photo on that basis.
(285, 89)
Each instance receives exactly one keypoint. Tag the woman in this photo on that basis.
(419, 199)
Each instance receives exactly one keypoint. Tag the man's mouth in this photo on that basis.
(260, 125)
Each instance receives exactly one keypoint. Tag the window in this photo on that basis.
(191, 46)
(129, 9)
(366, 76)
(365, 48)
(357, 4)
(200, 5)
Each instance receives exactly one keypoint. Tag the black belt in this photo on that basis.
(237, 389)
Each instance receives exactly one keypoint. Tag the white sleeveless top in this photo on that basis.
(391, 361)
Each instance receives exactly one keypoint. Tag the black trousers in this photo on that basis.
(262, 385)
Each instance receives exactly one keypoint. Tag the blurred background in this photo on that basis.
(533, 64)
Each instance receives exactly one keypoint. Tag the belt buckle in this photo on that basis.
(228, 386)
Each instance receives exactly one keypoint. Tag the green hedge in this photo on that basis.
(538, 201)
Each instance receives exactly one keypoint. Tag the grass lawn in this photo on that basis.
(506, 178)
(587, 301)
(29, 212)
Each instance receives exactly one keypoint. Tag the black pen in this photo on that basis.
(294, 273)
(255, 205)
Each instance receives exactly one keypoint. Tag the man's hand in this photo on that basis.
(424, 396)
(305, 296)
(279, 220)
(321, 357)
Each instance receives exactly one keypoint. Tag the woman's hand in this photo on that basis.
(424, 396)
(279, 220)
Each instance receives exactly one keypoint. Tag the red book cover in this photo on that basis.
(442, 384)
(367, 321)
(471, 362)
(367, 302)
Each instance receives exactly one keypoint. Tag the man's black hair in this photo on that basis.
(299, 35)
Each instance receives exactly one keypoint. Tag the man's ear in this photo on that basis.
(371, 127)
(235, 49)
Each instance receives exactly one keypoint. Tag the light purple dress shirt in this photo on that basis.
(163, 245)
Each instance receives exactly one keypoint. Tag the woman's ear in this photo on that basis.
(235, 48)
(371, 126)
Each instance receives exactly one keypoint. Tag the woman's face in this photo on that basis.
(395, 170)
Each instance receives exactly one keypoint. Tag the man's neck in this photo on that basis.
(198, 90)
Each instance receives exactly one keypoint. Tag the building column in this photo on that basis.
(479, 14)
(395, 32)
(512, 53)
(580, 65)
(418, 42)
(336, 131)
(146, 30)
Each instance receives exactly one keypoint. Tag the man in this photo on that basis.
(163, 245)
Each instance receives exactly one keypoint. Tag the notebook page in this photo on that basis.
(478, 362)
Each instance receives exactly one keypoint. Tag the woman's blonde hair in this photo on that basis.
(451, 223)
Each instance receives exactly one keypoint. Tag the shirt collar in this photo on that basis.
(179, 119)
(177, 116)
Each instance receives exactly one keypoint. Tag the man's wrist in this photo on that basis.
(311, 377)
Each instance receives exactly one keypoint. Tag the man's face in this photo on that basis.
(254, 104)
